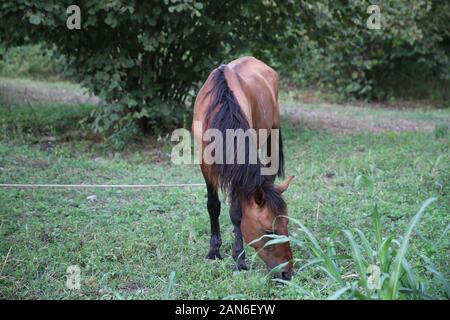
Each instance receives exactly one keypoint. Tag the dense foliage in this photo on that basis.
(147, 59)
(32, 62)
(144, 58)
(411, 48)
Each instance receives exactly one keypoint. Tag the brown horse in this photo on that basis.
(243, 95)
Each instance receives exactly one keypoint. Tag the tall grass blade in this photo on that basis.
(339, 293)
(366, 245)
(169, 288)
(376, 223)
(383, 253)
(308, 233)
(439, 276)
(267, 236)
(278, 240)
(410, 276)
(331, 268)
(442, 236)
(331, 250)
(359, 295)
(357, 258)
(310, 262)
(273, 239)
(394, 282)
(277, 269)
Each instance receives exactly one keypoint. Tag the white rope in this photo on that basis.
(25, 185)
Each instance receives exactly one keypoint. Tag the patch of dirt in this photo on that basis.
(132, 286)
(336, 123)
(317, 95)
(333, 117)
(15, 91)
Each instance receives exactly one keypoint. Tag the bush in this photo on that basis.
(147, 59)
(30, 61)
(411, 49)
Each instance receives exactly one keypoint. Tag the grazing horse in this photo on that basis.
(243, 95)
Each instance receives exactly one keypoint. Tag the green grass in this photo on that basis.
(360, 112)
(28, 121)
(152, 243)
(30, 61)
(40, 83)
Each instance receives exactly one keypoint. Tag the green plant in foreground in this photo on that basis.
(379, 273)
(170, 283)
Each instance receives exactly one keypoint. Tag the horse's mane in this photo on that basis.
(238, 180)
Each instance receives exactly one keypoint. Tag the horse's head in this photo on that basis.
(265, 213)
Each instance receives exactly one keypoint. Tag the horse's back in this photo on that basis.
(253, 71)
(255, 86)
(260, 85)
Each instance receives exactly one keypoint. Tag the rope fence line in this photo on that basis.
(134, 186)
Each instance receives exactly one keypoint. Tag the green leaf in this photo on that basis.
(132, 103)
(169, 287)
(279, 240)
(357, 258)
(329, 266)
(366, 245)
(35, 19)
(383, 253)
(432, 268)
(336, 295)
(198, 5)
(376, 223)
(395, 278)
(277, 269)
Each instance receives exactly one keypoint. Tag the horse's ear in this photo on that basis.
(284, 185)
(259, 196)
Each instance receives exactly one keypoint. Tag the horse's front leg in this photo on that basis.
(214, 213)
(238, 247)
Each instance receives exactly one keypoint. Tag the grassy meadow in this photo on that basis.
(129, 241)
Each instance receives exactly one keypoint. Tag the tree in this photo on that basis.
(340, 51)
(146, 58)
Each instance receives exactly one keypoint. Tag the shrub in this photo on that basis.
(410, 50)
(30, 61)
(147, 58)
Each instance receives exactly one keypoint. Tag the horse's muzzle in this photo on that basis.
(285, 274)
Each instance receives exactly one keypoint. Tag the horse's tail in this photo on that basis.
(224, 112)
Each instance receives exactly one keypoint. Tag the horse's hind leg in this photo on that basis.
(214, 212)
(238, 247)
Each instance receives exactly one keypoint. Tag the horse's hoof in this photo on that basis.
(214, 256)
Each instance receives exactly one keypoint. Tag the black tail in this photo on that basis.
(235, 179)
(239, 180)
